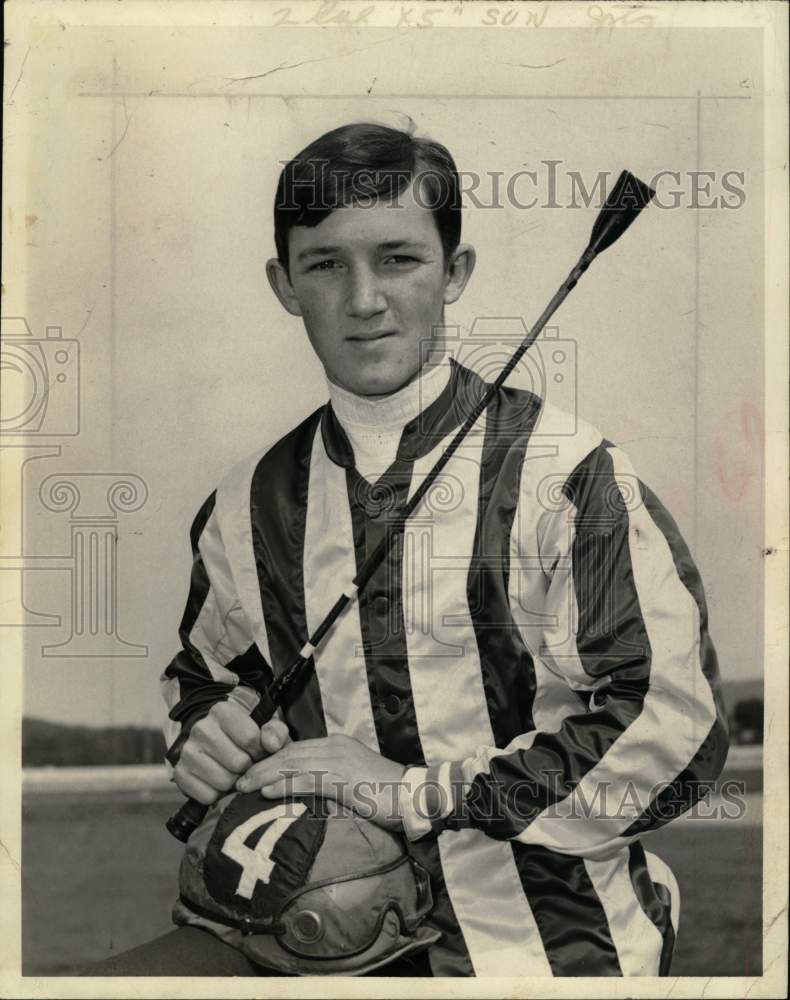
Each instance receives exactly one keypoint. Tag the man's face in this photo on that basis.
(370, 284)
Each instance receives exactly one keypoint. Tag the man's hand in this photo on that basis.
(336, 767)
(222, 746)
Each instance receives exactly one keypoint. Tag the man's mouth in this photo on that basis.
(372, 336)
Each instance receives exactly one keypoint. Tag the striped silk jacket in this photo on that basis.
(538, 639)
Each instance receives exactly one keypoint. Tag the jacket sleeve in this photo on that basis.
(218, 658)
(626, 629)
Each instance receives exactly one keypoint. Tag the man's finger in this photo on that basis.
(275, 791)
(274, 736)
(207, 737)
(236, 724)
(225, 752)
(211, 772)
(266, 772)
(302, 784)
(194, 788)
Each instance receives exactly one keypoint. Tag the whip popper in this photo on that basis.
(626, 200)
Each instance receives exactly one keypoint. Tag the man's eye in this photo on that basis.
(400, 259)
(325, 265)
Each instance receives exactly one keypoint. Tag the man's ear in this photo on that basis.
(459, 271)
(281, 286)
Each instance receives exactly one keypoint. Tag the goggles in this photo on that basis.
(340, 917)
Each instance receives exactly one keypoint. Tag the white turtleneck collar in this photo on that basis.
(374, 426)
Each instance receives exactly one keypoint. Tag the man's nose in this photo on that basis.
(365, 296)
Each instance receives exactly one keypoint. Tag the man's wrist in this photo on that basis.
(431, 799)
(412, 811)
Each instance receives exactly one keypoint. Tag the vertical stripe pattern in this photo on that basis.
(507, 666)
(480, 874)
(538, 642)
(218, 648)
(636, 937)
(374, 508)
(278, 512)
(329, 564)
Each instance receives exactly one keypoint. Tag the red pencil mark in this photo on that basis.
(737, 454)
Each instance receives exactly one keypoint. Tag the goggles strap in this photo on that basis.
(243, 924)
(273, 925)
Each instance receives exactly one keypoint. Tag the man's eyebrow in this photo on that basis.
(316, 252)
(398, 244)
(386, 245)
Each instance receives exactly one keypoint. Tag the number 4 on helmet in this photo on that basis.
(304, 886)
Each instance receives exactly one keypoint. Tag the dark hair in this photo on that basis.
(360, 164)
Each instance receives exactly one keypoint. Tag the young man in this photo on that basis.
(530, 668)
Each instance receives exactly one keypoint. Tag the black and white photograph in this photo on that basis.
(394, 551)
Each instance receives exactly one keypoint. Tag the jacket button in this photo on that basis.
(381, 605)
(392, 704)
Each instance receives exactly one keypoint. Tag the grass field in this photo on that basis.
(100, 877)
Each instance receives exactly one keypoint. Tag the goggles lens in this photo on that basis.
(338, 919)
